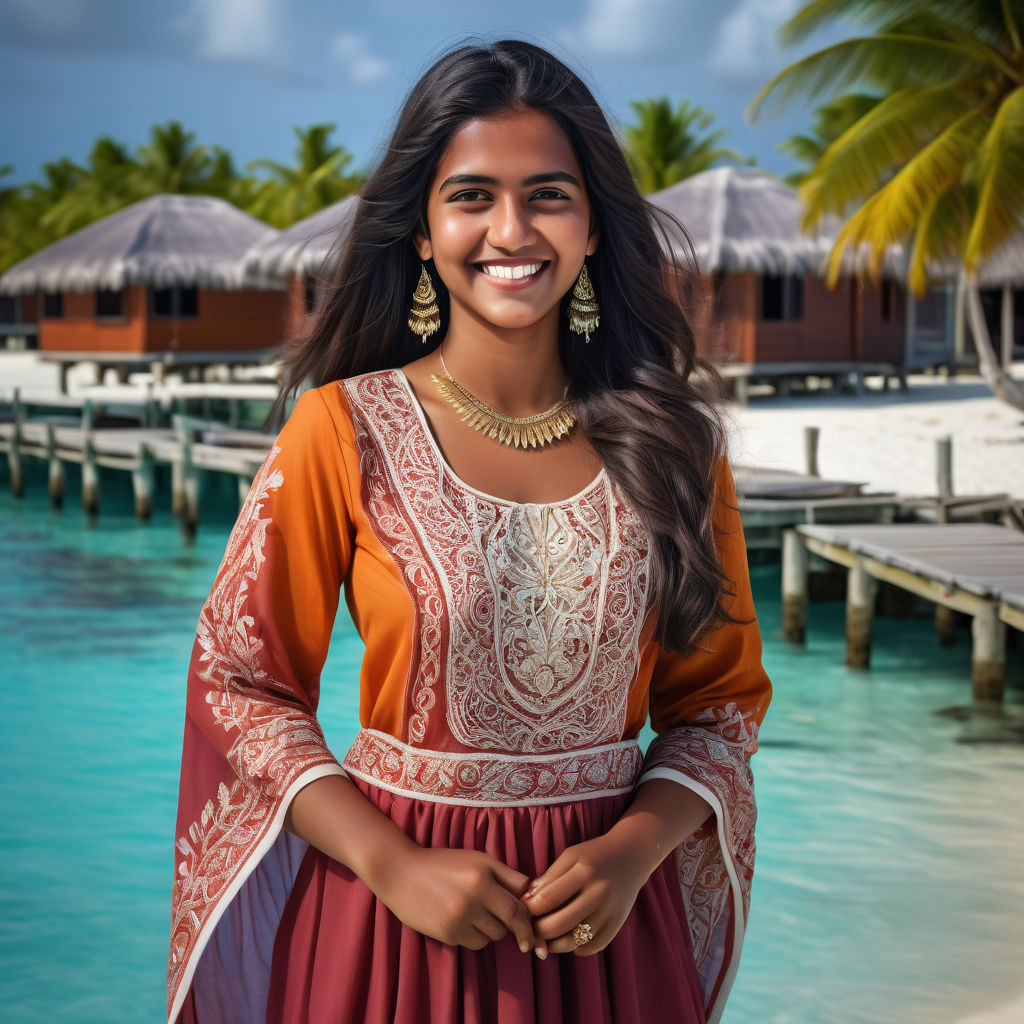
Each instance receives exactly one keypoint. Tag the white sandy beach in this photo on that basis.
(887, 439)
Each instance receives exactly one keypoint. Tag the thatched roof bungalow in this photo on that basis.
(300, 258)
(164, 274)
(770, 299)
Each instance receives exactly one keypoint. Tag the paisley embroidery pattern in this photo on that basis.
(492, 779)
(543, 603)
(715, 751)
(272, 744)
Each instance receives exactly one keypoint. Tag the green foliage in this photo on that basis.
(666, 145)
(69, 196)
(936, 160)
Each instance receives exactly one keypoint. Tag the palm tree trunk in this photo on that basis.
(1003, 386)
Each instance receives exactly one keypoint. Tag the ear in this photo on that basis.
(592, 241)
(422, 245)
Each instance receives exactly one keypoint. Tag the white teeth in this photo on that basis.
(496, 270)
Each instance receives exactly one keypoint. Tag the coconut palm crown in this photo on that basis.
(938, 162)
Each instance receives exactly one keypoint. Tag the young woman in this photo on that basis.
(508, 466)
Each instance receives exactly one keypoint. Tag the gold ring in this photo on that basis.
(582, 934)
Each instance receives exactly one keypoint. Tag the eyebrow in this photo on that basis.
(482, 179)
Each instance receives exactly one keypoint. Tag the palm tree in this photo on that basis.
(172, 162)
(939, 161)
(105, 185)
(666, 145)
(315, 182)
(23, 230)
(828, 122)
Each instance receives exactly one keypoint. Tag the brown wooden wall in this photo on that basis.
(248, 319)
(837, 325)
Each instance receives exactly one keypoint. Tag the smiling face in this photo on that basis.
(509, 220)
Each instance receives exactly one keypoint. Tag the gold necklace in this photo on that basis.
(515, 431)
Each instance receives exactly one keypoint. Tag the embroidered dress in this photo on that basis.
(509, 666)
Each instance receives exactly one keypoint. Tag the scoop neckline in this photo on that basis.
(425, 427)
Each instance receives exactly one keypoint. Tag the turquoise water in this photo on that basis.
(890, 877)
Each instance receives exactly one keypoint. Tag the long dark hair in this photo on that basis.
(646, 401)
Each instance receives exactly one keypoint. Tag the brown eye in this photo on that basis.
(552, 193)
(469, 192)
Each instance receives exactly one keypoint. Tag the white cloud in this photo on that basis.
(361, 66)
(238, 30)
(629, 28)
(746, 44)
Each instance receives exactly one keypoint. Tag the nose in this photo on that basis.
(511, 225)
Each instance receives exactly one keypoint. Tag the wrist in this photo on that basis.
(379, 865)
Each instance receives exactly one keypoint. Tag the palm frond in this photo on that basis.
(1000, 181)
(862, 158)
(881, 60)
(937, 236)
(891, 213)
(973, 16)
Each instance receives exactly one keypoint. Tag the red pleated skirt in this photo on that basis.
(342, 957)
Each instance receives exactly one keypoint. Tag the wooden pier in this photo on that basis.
(973, 568)
(189, 447)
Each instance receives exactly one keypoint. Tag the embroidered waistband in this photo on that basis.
(481, 777)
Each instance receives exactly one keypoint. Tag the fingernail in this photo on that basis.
(542, 953)
(528, 893)
(524, 946)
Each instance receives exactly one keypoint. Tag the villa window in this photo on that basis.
(887, 290)
(310, 290)
(782, 297)
(177, 301)
(53, 305)
(109, 302)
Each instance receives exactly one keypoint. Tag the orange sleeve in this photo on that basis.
(727, 669)
(251, 737)
(706, 709)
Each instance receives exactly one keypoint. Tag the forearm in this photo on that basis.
(334, 816)
(663, 814)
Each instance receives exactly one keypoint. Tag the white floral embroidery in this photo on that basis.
(542, 605)
(482, 778)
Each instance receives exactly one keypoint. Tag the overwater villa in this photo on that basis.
(774, 315)
(162, 276)
(300, 257)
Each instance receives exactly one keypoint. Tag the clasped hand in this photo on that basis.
(468, 898)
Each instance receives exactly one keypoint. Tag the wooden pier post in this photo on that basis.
(944, 472)
(811, 435)
(860, 599)
(90, 476)
(794, 587)
(945, 625)
(186, 488)
(988, 655)
(14, 452)
(57, 481)
(142, 483)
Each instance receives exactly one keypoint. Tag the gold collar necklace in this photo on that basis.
(515, 431)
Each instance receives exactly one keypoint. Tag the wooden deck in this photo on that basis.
(974, 568)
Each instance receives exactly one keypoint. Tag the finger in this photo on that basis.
(585, 907)
(474, 938)
(558, 867)
(515, 881)
(513, 914)
(555, 893)
(566, 943)
(490, 926)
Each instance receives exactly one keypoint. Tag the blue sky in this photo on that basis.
(242, 73)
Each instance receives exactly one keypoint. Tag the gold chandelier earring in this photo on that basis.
(583, 307)
(424, 317)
